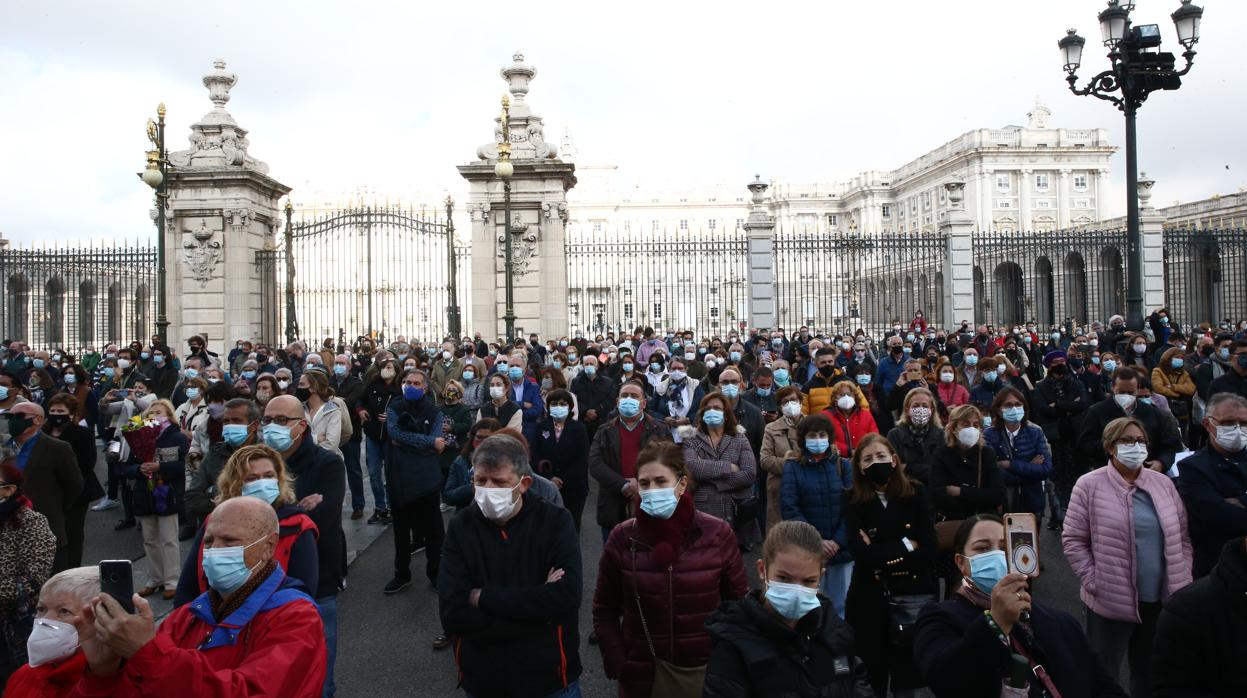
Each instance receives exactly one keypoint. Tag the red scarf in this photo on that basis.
(666, 536)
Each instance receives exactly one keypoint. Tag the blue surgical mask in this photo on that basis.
(108, 371)
(817, 446)
(781, 376)
(990, 376)
(763, 392)
(862, 378)
(734, 355)
(972, 360)
(1146, 400)
(266, 489)
(986, 569)
(225, 568)
(659, 503)
(159, 358)
(4, 393)
(191, 373)
(192, 393)
(144, 355)
(556, 363)
(1013, 415)
(278, 437)
(713, 418)
(792, 601)
(1177, 363)
(731, 390)
(1223, 353)
(469, 375)
(987, 421)
(629, 407)
(1095, 360)
(1110, 366)
(515, 373)
(560, 412)
(591, 371)
(234, 434)
(70, 379)
(339, 369)
(248, 374)
(412, 394)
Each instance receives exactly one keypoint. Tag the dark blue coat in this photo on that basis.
(532, 415)
(319, 471)
(566, 458)
(1205, 480)
(171, 448)
(1022, 474)
(812, 491)
(412, 467)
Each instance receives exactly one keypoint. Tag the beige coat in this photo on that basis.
(779, 442)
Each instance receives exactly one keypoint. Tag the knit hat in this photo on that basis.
(1052, 356)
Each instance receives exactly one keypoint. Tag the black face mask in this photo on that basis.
(827, 371)
(58, 420)
(303, 394)
(898, 350)
(1059, 370)
(18, 423)
(879, 473)
(1207, 350)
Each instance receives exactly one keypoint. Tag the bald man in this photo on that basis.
(320, 486)
(254, 632)
(53, 480)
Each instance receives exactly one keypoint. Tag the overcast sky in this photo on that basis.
(393, 95)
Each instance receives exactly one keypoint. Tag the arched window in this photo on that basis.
(86, 312)
(54, 316)
(18, 305)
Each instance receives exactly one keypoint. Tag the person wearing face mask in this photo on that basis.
(950, 392)
(786, 627)
(818, 389)
(965, 478)
(1217, 364)
(613, 455)
(325, 416)
(54, 660)
(918, 433)
(669, 557)
(965, 646)
(60, 425)
(53, 481)
(158, 495)
(990, 382)
(258, 471)
(1136, 353)
(719, 458)
(238, 425)
(1235, 379)
(812, 486)
(1125, 536)
(779, 443)
(381, 387)
(194, 412)
(891, 538)
(525, 392)
(850, 417)
(445, 367)
(348, 388)
(255, 626)
(160, 369)
(561, 453)
(27, 549)
(1171, 379)
(1164, 442)
(1022, 453)
(500, 405)
(1213, 481)
(595, 393)
(511, 559)
(677, 397)
(77, 383)
(458, 490)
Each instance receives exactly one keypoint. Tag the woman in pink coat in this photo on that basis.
(1125, 537)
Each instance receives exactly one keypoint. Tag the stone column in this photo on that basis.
(1151, 229)
(985, 200)
(1025, 184)
(959, 259)
(760, 228)
(1063, 201)
(223, 208)
(538, 215)
(1101, 184)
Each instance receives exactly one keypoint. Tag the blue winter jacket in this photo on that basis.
(811, 492)
(1022, 472)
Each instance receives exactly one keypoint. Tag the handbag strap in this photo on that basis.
(1036, 667)
(636, 594)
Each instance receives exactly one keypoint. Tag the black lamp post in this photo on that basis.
(156, 177)
(504, 169)
(452, 290)
(1137, 68)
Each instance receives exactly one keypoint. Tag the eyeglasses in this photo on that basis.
(1228, 423)
(1128, 441)
(280, 420)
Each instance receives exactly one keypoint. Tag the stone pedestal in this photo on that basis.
(959, 260)
(539, 188)
(222, 208)
(1152, 232)
(761, 240)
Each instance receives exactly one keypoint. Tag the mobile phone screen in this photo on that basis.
(117, 580)
(1022, 544)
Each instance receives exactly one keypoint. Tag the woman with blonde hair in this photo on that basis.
(159, 497)
(850, 417)
(194, 412)
(259, 471)
(918, 433)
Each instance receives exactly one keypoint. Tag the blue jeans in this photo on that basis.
(354, 474)
(376, 473)
(835, 585)
(328, 606)
(572, 691)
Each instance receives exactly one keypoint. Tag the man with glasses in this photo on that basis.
(320, 486)
(1164, 443)
(1234, 380)
(1213, 481)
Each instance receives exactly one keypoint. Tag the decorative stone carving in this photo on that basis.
(956, 189)
(551, 210)
(1145, 189)
(523, 247)
(202, 253)
(217, 140)
(526, 129)
(1038, 116)
(238, 216)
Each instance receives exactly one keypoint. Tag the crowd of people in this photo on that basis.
(869, 473)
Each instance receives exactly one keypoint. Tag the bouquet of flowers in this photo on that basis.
(141, 436)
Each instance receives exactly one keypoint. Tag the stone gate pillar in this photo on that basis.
(1152, 231)
(223, 207)
(538, 217)
(959, 259)
(761, 259)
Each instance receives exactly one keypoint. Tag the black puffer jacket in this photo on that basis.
(757, 654)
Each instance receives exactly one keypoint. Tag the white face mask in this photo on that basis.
(946, 377)
(792, 409)
(1132, 455)
(496, 503)
(1231, 438)
(446, 355)
(846, 402)
(50, 641)
(496, 391)
(1124, 401)
(968, 436)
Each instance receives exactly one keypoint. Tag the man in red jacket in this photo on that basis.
(254, 632)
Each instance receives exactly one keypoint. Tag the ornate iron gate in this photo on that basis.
(1206, 275)
(367, 271)
(69, 298)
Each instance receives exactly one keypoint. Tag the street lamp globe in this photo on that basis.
(504, 169)
(1186, 21)
(1071, 50)
(1113, 21)
(152, 176)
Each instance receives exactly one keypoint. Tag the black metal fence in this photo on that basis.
(1049, 276)
(841, 281)
(70, 298)
(369, 271)
(1206, 275)
(668, 279)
